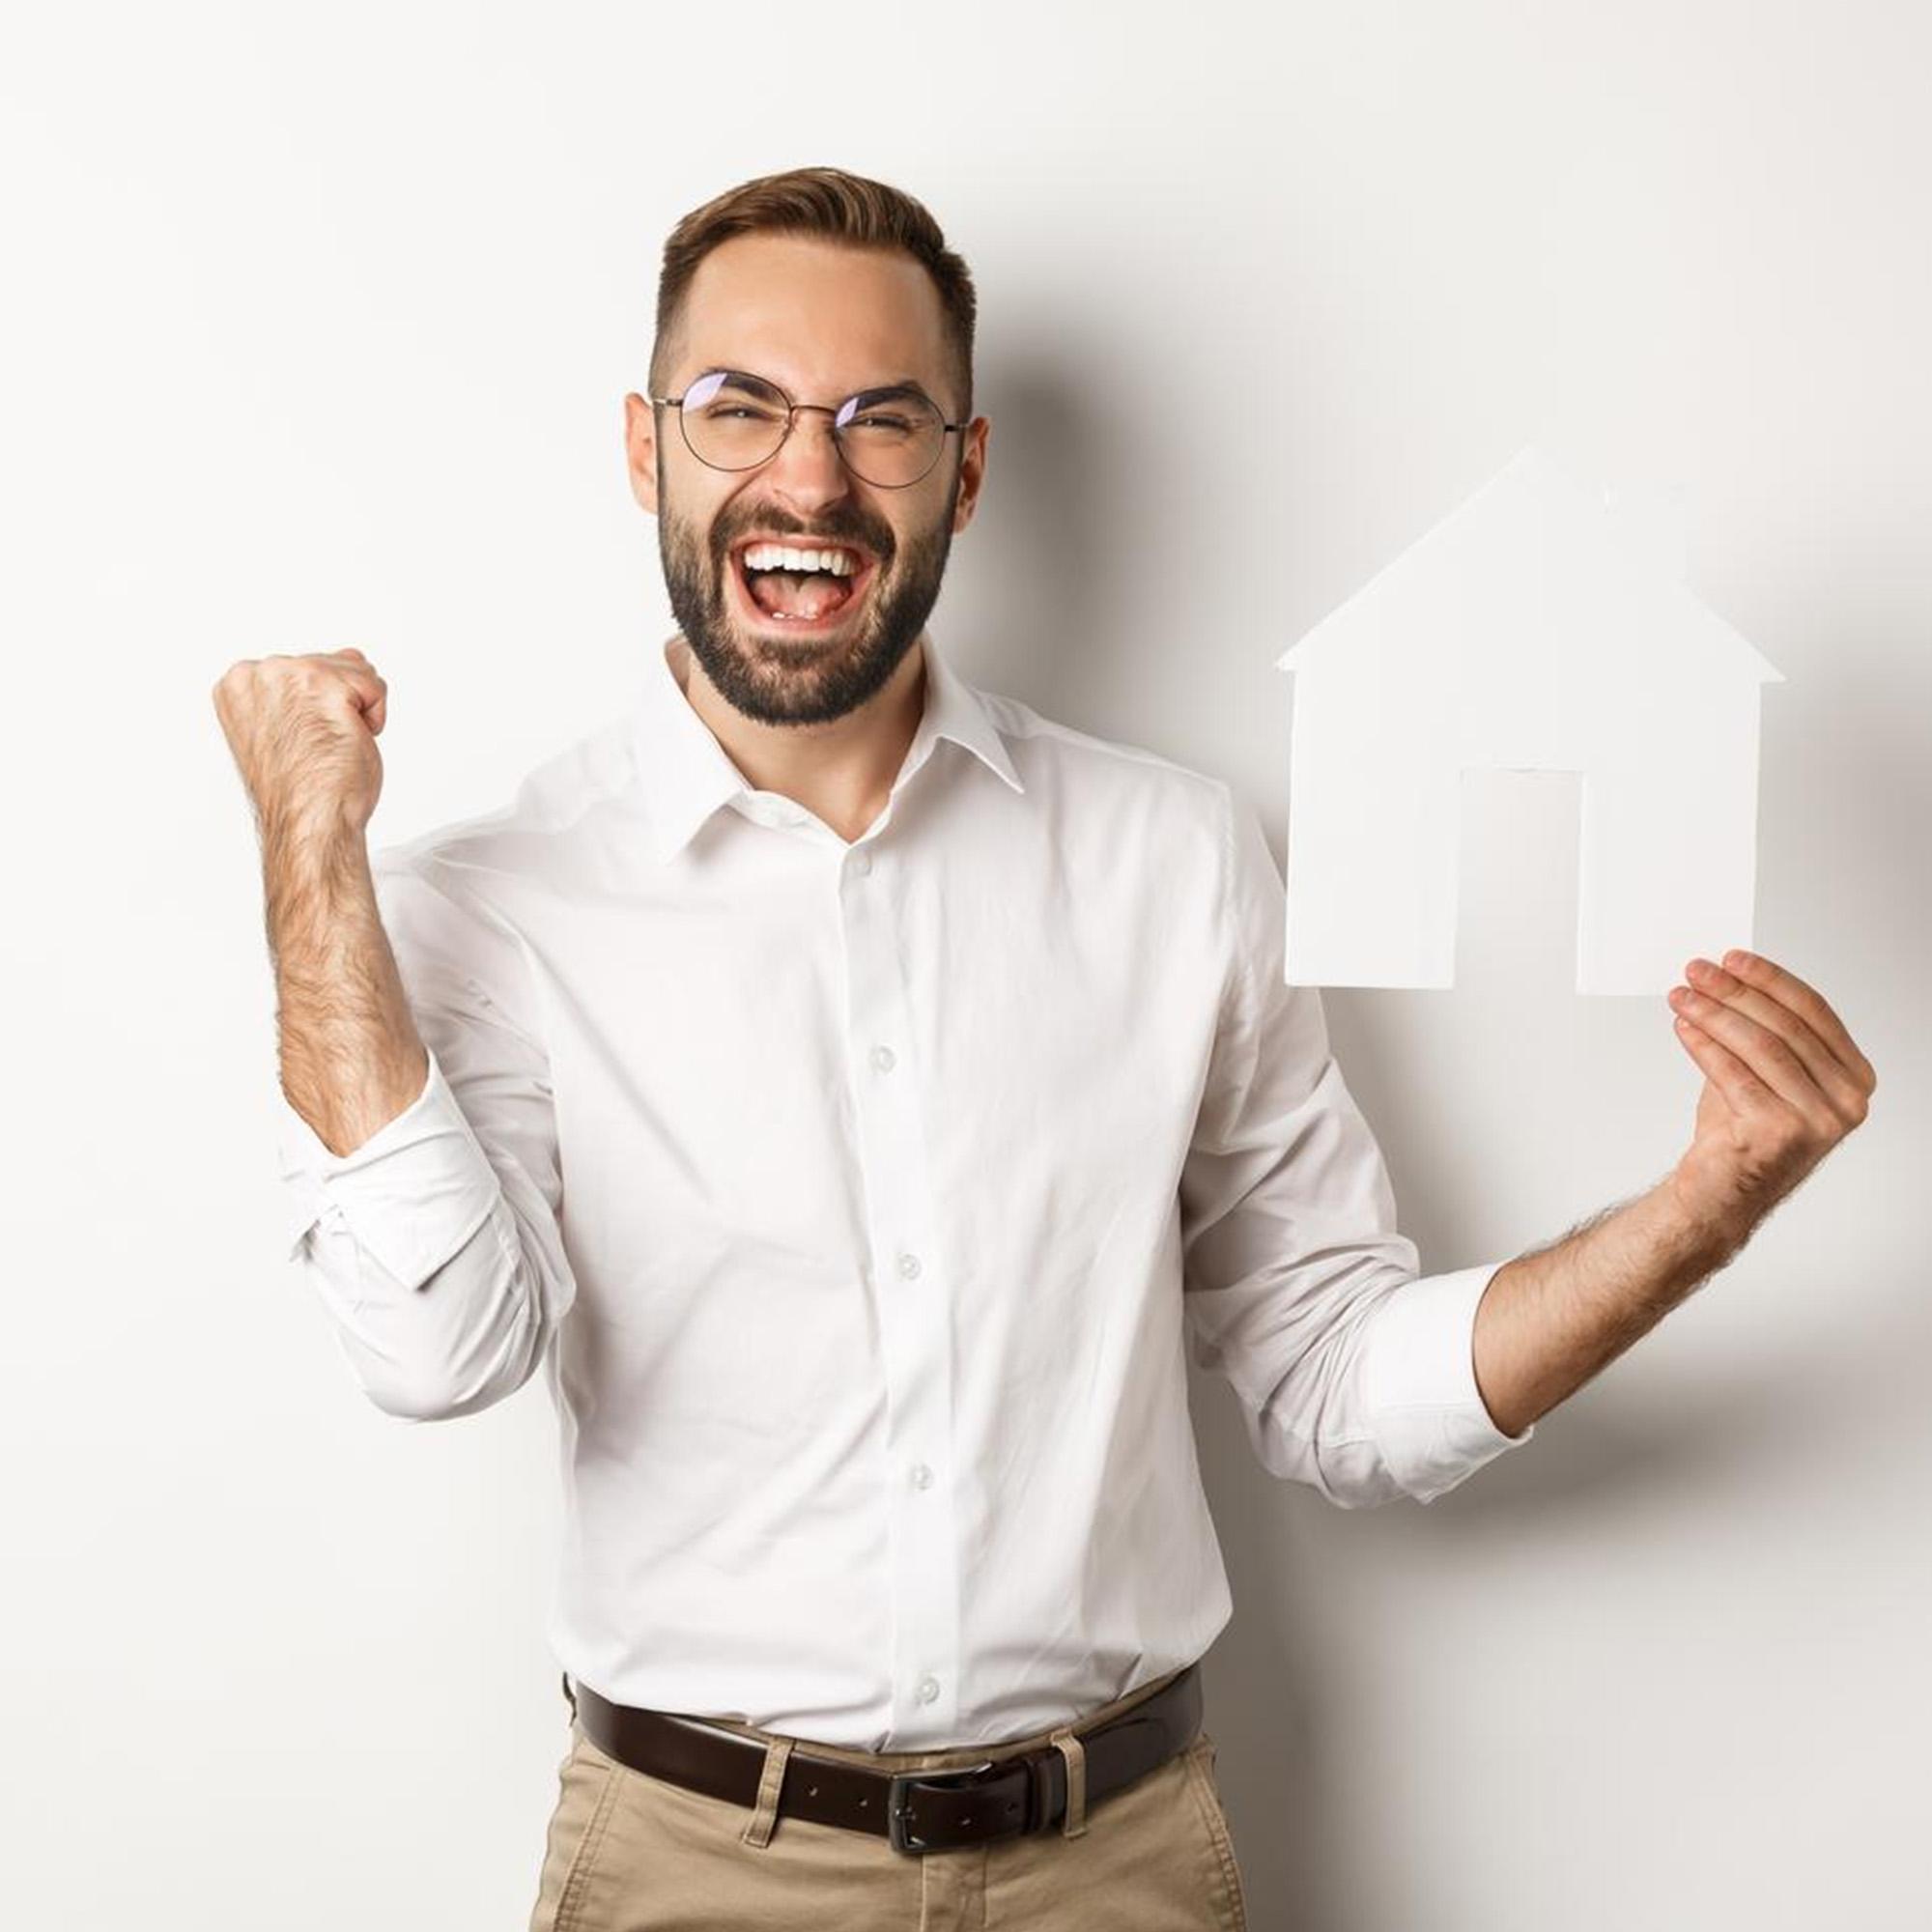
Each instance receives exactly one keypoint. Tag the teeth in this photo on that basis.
(780, 557)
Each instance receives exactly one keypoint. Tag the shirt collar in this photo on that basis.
(685, 774)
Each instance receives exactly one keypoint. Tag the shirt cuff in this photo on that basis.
(412, 1194)
(1419, 1382)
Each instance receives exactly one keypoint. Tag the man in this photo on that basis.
(854, 1091)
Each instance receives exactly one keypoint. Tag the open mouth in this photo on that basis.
(778, 594)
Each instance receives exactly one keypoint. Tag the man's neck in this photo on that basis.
(840, 770)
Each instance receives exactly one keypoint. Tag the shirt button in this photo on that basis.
(861, 862)
(928, 1690)
(882, 1059)
(909, 1266)
(921, 1476)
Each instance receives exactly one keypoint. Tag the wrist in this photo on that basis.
(315, 817)
(316, 848)
(1701, 1226)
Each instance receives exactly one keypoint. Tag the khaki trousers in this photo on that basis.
(631, 1853)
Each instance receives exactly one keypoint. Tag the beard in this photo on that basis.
(758, 674)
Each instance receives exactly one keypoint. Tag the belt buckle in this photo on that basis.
(898, 1826)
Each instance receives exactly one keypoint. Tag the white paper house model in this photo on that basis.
(1535, 628)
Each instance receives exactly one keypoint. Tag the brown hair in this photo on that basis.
(838, 206)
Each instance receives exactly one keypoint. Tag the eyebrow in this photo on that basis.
(899, 385)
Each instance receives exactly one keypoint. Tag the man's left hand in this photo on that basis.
(1783, 1084)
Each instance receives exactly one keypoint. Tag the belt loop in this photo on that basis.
(1074, 1752)
(570, 1694)
(765, 1815)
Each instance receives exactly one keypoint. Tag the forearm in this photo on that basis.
(350, 1057)
(1552, 1319)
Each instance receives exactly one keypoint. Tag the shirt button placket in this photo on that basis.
(913, 1313)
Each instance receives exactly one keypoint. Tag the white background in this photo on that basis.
(316, 329)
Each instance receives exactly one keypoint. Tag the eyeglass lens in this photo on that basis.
(734, 421)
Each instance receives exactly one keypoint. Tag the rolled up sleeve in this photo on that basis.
(1355, 1373)
(437, 1244)
(413, 1192)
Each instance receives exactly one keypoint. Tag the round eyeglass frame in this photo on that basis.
(792, 410)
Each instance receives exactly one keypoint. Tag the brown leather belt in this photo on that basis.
(915, 1810)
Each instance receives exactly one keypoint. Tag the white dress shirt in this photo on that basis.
(857, 1203)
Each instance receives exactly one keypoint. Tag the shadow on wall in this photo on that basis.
(1035, 591)
(1277, 1684)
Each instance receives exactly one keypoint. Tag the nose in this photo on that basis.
(807, 470)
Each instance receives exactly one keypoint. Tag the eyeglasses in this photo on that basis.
(890, 438)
